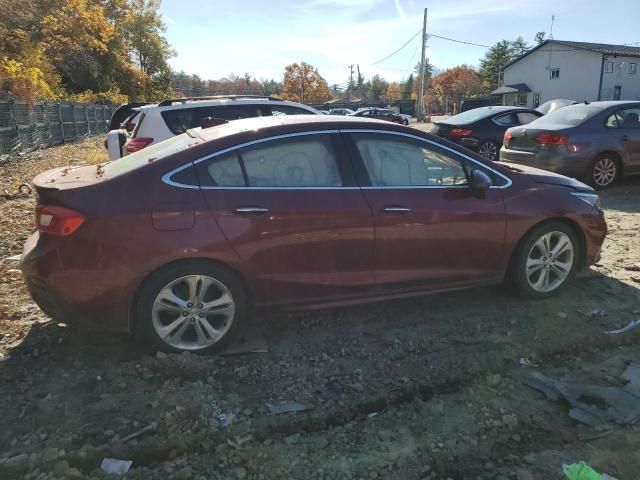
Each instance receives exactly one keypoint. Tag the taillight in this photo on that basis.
(507, 137)
(460, 132)
(552, 139)
(138, 143)
(58, 220)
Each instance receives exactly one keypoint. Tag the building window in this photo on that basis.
(633, 67)
(608, 67)
(555, 73)
(522, 99)
(536, 100)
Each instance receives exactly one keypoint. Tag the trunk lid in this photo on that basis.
(58, 186)
(524, 138)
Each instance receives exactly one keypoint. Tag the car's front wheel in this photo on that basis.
(604, 171)
(489, 150)
(192, 306)
(545, 261)
(405, 122)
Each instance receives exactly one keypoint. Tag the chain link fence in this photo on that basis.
(25, 127)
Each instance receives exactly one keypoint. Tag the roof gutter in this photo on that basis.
(601, 75)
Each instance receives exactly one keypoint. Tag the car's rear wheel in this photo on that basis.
(605, 170)
(546, 260)
(192, 306)
(405, 122)
(489, 150)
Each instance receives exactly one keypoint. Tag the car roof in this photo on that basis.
(191, 103)
(311, 121)
(607, 103)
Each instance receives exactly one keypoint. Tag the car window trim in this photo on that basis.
(166, 178)
(508, 180)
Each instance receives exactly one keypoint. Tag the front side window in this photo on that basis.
(608, 67)
(626, 118)
(397, 162)
(303, 161)
(555, 73)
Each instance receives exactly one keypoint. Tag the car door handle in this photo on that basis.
(251, 210)
(624, 138)
(395, 209)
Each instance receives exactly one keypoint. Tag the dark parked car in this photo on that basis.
(179, 241)
(596, 142)
(482, 129)
(381, 114)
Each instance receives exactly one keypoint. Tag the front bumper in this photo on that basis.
(562, 162)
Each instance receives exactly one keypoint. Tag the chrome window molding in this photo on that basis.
(166, 178)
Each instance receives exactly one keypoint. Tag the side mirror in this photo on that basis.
(480, 183)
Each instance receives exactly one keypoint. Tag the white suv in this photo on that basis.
(168, 118)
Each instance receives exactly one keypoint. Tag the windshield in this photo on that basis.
(571, 115)
(471, 116)
(151, 154)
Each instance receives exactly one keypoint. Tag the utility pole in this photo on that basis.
(302, 88)
(419, 100)
(359, 86)
(350, 83)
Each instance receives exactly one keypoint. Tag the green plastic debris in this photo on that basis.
(580, 471)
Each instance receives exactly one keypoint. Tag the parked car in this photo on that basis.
(408, 118)
(381, 114)
(180, 241)
(324, 112)
(174, 116)
(341, 111)
(482, 129)
(596, 141)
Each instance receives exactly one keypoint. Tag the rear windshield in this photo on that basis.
(471, 116)
(150, 154)
(571, 115)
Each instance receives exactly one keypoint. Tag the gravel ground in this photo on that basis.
(411, 389)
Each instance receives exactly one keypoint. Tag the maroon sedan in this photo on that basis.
(178, 242)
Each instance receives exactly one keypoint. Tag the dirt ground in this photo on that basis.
(411, 389)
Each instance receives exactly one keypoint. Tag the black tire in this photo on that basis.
(405, 122)
(143, 309)
(517, 275)
(489, 150)
(604, 171)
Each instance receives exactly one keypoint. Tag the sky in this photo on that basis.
(215, 38)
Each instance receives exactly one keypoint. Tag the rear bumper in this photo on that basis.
(67, 292)
(565, 163)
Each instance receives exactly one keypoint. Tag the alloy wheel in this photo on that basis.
(550, 261)
(193, 312)
(488, 150)
(604, 172)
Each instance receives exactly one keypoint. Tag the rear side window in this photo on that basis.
(180, 120)
(304, 161)
(506, 119)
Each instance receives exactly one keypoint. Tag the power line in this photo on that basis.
(392, 54)
(459, 41)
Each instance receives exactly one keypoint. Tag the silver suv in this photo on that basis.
(154, 123)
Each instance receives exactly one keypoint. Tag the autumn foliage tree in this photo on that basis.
(456, 83)
(393, 93)
(303, 83)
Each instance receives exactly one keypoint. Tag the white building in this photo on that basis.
(574, 70)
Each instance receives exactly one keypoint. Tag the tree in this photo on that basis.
(409, 87)
(303, 83)
(457, 82)
(540, 37)
(377, 88)
(498, 55)
(393, 92)
(519, 47)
